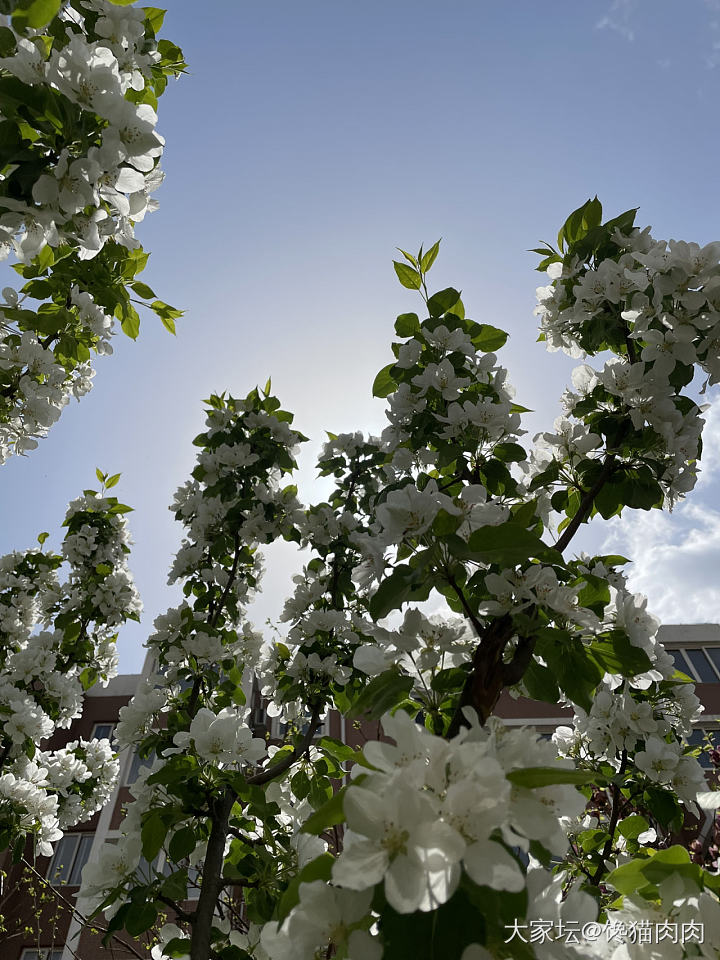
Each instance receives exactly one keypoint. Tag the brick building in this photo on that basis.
(44, 928)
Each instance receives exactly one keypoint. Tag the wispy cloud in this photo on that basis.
(712, 59)
(618, 18)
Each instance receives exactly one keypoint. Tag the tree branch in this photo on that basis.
(176, 908)
(81, 917)
(200, 945)
(265, 776)
(586, 504)
(614, 813)
(485, 681)
(231, 580)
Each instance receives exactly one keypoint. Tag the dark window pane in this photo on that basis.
(714, 654)
(81, 858)
(679, 661)
(61, 864)
(702, 665)
(103, 731)
(136, 766)
(696, 738)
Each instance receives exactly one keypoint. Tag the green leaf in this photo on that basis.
(540, 683)
(488, 339)
(34, 13)
(384, 385)
(330, 814)
(403, 584)
(429, 258)
(99, 474)
(154, 18)
(645, 874)
(507, 544)
(7, 42)
(175, 886)
(532, 777)
(580, 222)
(129, 320)
(112, 481)
(42, 537)
(445, 523)
(337, 749)
(140, 916)
(167, 314)
(576, 673)
(143, 290)
(615, 653)
(631, 827)
(409, 257)
(380, 695)
(182, 844)
(152, 834)
(509, 452)
(318, 869)
(663, 805)
(407, 325)
(300, 784)
(452, 679)
(442, 301)
(592, 840)
(407, 276)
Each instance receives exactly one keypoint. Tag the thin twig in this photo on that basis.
(79, 916)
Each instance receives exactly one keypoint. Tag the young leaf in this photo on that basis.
(532, 777)
(429, 258)
(408, 256)
(407, 276)
(384, 385)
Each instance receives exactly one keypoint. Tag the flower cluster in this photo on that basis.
(656, 304)
(81, 182)
(429, 811)
(95, 188)
(57, 641)
(82, 775)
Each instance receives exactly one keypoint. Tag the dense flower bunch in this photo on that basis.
(57, 639)
(655, 304)
(430, 815)
(78, 164)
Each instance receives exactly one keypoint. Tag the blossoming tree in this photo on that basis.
(452, 833)
(79, 158)
(456, 827)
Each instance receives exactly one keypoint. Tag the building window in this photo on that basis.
(697, 739)
(103, 731)
(71, 855)
(258, 714)
(42, 953)
(136, 765)
(702, 664)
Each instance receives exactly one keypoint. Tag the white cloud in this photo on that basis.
(676, 556)
(618, 19)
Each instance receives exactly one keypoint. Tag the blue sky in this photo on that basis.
(306, 143)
